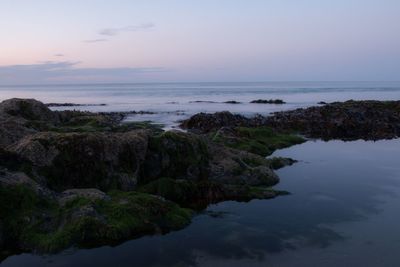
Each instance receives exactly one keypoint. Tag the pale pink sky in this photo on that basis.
(46, 41)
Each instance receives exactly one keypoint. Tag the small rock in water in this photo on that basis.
(270, 101)
(232, 102)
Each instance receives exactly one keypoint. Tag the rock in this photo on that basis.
(235, 167)
(56, 167)
(15, 178)
(201, 101)
(205, 122)
(30, 222)
(89, 193)
(277, 163)
(232, 102)
(369, 120)
(261, 140)
(176, 154)
(12, 130)
(28, 109)
(86, 160)
(270, 101)
(350, 120)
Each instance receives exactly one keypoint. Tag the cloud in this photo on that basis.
(135, 28)
(95, 41)
(68, 72)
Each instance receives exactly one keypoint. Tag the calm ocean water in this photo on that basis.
(343, 209)
(171, 101)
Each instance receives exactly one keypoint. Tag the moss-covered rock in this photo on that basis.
(33, 222)
(261, 140)
(85, 160)
(277, 163)
(176, 154)
(29, 109)
(60, 172)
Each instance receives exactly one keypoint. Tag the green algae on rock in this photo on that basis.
(34, 222)
(261, 141)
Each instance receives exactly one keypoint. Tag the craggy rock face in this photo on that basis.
(85, 160)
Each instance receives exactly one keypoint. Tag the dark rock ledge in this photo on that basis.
(350, 120)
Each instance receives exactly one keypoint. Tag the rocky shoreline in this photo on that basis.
(71, 178)
(350, 120)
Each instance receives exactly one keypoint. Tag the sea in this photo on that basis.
(344, 201)
(170, 103)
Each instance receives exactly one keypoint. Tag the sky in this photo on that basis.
(96, 41)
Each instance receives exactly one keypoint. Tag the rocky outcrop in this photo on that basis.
(369, 120)
(28, 109)
(85, 160)
(33, 222)
(236, 167)
(176, 154)
(77, 178)
(206, 122)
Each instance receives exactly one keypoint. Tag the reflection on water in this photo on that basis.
(343, 211)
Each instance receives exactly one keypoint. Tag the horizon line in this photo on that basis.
(196, 82)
